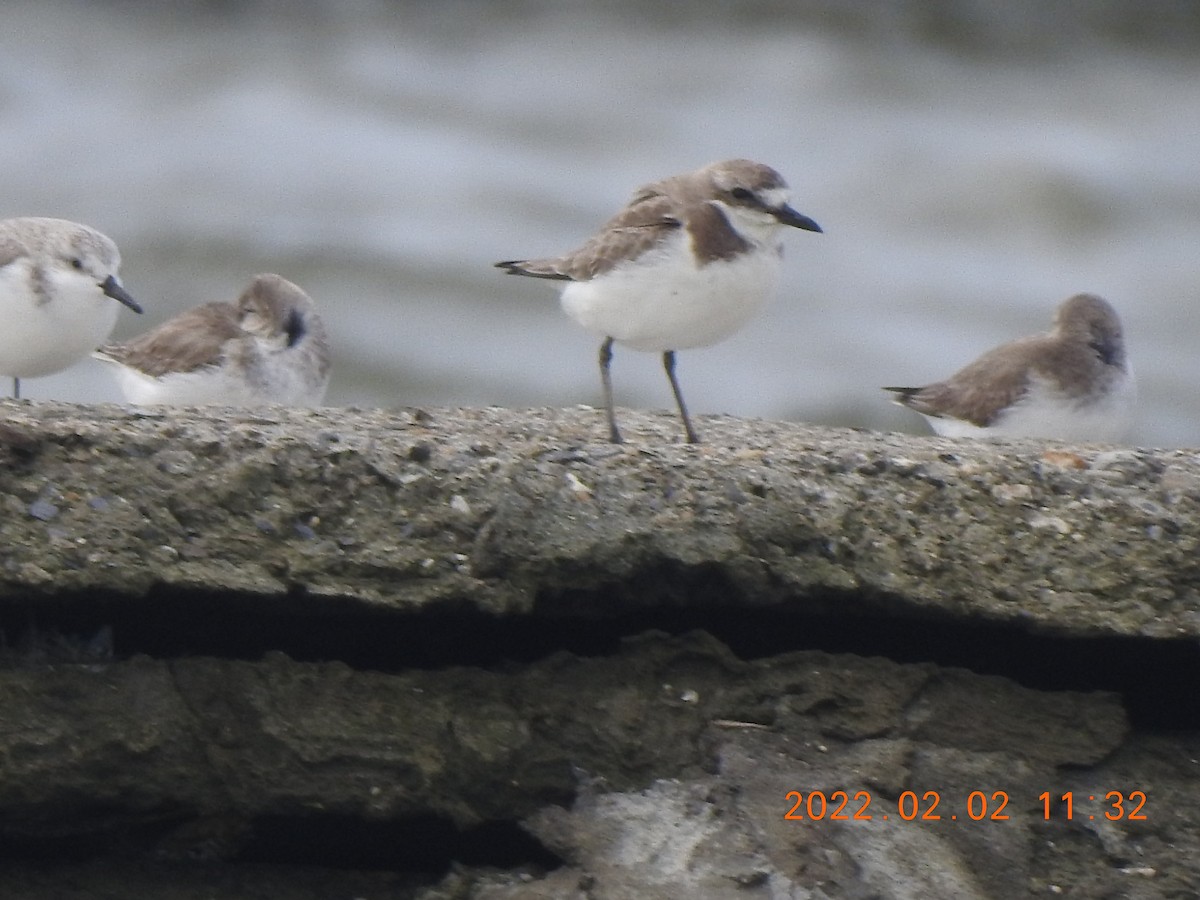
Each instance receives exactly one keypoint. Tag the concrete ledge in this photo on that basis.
(453, 685)
(501, 510)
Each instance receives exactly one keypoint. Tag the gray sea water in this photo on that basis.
(970, 173)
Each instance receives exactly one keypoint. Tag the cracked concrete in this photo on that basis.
(657, 767)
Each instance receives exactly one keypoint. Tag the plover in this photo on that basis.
(685, 264)
(267, 348)
(1072, 383)
(58, 284)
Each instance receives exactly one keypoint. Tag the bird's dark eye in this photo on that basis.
(740, 193)
(76, 263)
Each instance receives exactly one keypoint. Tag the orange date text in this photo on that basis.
(977, 806)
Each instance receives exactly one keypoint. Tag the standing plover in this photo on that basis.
(1072, 383)
(685, 264)
(58, 284)
(267, 348)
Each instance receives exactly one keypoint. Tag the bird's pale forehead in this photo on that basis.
(775, 197)
(92, 243)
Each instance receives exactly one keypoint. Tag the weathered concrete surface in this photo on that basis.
(467, 744)
(662, 769)
(656, 769)
(500, 510)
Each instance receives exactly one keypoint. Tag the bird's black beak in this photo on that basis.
(113, 288)
(788, 216)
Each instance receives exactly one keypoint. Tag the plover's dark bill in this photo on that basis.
(59, 295)
(1072, 383)
(268, 348)
(685, 264)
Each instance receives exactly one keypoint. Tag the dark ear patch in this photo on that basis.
(713, 238)
(1108, 349)
(294, 327)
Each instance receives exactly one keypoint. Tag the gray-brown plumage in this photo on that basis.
(269, 347)
(685, 264)
(58, 281)
(192, 340)
(662, 207)
(1073, 383)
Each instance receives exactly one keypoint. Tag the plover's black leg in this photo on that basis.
(614, 433)
(669, 365)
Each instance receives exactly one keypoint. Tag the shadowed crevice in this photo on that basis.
(428, 845)
(90, 629)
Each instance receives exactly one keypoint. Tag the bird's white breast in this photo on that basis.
(666, 301)
(39, 338)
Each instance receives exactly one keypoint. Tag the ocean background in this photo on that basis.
(973, 164)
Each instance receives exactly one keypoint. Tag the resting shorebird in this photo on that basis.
(58, 284)
(1073, 383)
(685, 264)
(267, 348)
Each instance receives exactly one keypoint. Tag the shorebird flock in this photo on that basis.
(686, 263)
